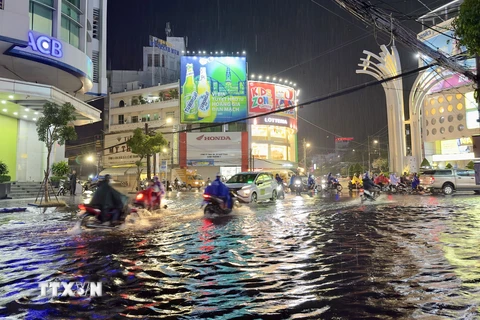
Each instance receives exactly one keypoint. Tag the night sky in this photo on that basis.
(317, 45)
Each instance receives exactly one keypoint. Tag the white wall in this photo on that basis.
(31, 153)
(14, 21)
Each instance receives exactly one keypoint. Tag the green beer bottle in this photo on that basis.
(189, 103)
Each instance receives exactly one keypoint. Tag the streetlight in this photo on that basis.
(369, 162)
(91, 158)
(305, 146)
(148, 132)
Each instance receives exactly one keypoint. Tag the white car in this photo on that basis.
(253, 186)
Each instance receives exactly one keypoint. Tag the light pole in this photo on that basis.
(305, 146)
(369, 160)
(148, 132)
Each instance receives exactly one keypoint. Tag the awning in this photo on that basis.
(115, 172)
(25, 100)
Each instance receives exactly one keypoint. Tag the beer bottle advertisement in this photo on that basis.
(213, 89)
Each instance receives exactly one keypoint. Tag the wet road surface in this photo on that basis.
(308, 257)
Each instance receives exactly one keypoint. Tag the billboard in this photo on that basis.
(214, 148)
(213, 89)
(266, 97)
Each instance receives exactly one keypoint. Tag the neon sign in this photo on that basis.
(45, 45)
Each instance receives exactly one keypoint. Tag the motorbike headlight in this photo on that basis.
(196, 182)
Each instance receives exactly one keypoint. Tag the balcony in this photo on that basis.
(142, 108)
(151, 124)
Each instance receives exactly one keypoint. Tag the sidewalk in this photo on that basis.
(14, 203)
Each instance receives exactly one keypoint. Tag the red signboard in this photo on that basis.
(343, 139)
(265, 97)
(261, 97)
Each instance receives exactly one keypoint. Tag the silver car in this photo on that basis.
(253, 186)
(449, 180)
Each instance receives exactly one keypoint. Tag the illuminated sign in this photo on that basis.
(276, 120)
(343, 139)
(45, 45)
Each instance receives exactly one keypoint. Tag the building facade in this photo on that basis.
(50, 51)
(161, 65)
(443, 111)
(274, 136)
(155, 108)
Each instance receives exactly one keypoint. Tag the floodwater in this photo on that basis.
(308, 257)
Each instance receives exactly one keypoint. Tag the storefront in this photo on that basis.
(273, 137)
(213, 152)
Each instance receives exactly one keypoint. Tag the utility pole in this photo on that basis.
(477, 62)
(368, 169)
(148, 156)
(305, 146)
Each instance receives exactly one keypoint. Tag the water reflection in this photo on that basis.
(316, 257)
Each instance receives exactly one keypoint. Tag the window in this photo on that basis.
(134, 119)
(121, 119)
(145, 118)
(121, 104)
(70, 23)
(170, 114)
(96, 66)
(155, 116)
(96, 23)
(41, 16)
(156, 58)
(1, 4)
(70, 32)
(163, 61)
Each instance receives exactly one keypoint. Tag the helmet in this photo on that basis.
(107, 178)
(218, 174)
(155, 178)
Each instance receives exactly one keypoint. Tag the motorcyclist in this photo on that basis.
(381, 180)
(109, 200)
(219, 189)
(330, 180)
(209, 181)
(292, 181)
(279, 180)
(311, 181)
(393, 181)
(368, 183)
(415, 182)
(356, 181)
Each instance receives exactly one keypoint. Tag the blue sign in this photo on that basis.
(45, 45)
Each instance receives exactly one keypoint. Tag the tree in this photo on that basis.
(161, 95)
(55, 126)
(380, 163)
(470, 165)
(425, 164)
(467, 26)
(173, 93)
(145, 145)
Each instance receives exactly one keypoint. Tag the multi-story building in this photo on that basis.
(161, 65)
(50, 51)
(155, 108)
(444, 111)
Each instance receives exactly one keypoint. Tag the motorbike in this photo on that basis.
(147, 199)
(280, 191)
(333, 186)
(369, 195)
(297, 187)
(63, 187)
(214, 204)
(90, 217)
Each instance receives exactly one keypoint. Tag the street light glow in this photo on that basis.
(375, 141)
(308, 145)
(169, 120)
(90, 158)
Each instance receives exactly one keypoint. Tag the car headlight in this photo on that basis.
(246, 191)
(196, 182)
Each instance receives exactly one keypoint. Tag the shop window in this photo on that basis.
(260, 151)
(41, 16)
(259, 131)
(471, 119)
(134, 119)
(278, 132)
(237, 127)
(278, 152)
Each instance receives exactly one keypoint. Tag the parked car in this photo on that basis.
(449, 180)
(253, 186)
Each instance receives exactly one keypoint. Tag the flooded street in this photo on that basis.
(310, 257)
